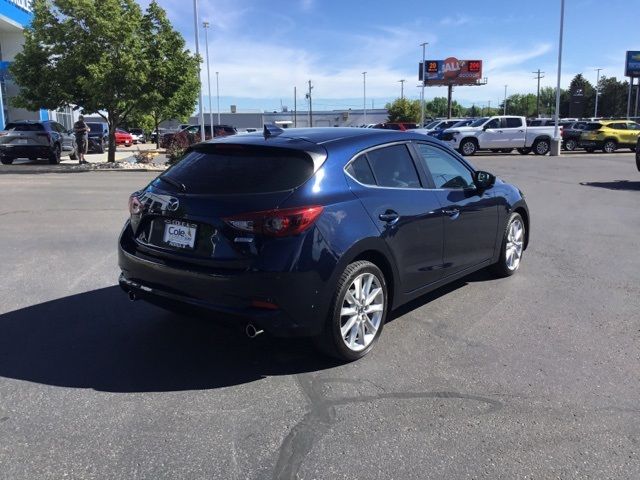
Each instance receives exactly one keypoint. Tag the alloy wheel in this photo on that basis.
(542, 147)
(468, 148)
(515, 244)
(361, 312)
(609, 147)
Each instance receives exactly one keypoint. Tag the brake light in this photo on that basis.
(135, 205)
(276, 223)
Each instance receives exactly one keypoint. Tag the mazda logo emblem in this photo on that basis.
(173, 204)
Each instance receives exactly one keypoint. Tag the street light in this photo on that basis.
(206, 41)
(505, 100)
(364, 96)
(218, 96)
(555, 144)
(595, 113)
(195, 19)
(423, 45)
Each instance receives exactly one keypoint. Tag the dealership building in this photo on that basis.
(15, 15)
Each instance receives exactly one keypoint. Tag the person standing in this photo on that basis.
(81, 130)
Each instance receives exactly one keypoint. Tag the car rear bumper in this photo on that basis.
(282, 303)
(25, 151)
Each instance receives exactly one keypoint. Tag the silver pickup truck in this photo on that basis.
(500, 133)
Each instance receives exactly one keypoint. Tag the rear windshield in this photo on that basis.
(24, 127)
(96, 127)
(240, 169)
(593, 126)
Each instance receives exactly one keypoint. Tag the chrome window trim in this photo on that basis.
(378, 147)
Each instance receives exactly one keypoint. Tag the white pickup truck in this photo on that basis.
(502, 133)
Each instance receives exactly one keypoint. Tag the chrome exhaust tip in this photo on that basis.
(132, 296)
(251, 331)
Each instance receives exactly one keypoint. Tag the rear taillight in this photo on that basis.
(276, 223)
(44, 134)
(135, 206)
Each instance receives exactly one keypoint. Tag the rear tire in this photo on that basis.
(358, 312)
(512, 247)
(6, 160)
(54, 156)
(524, 151)
(468, 147)
(609, 146)
(541, 147)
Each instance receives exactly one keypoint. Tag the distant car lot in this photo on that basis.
(528, 376)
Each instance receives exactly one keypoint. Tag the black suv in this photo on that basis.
(98, 137)
(34, 140)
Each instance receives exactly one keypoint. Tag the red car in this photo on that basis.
(123, 138)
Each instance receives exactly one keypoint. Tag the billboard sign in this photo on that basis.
(632, 65)
(451, 71)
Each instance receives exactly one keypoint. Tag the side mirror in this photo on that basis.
(483, 180)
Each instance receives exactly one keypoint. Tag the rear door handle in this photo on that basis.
(389, 216)
(453, 213)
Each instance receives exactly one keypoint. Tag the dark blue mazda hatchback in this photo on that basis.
(317, 232)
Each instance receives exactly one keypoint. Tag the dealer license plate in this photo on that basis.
(179, 234)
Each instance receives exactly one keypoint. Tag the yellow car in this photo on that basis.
(609, 135)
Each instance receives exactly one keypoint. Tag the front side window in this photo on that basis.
(495, 123)
(446, 170)
(633, 126)
(393, 167)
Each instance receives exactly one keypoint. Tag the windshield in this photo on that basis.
(432, 124)
(461, 123)
(241, 169)
(479, 122)
(96, 127)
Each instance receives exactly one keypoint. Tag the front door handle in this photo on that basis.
(389, 216)
(453, 213)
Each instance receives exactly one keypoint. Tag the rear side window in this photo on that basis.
(393, 167)
(240, 169)
(24, 127)
(618, 126)
(513, 122)
(593, 126)
(360, 170)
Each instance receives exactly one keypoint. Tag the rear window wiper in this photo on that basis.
(173, 182)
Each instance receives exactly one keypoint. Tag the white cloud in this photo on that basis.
(456, 21)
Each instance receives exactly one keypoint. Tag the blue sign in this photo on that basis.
(632, 65)
(4, 71)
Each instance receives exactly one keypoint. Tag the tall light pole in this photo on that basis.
(218, 96)
(401, 88)
(364, 96)
(205, 25)
(505, 100)
(423, 45)
(555, 144)
(595, 112)
(197, 28)
(538, 76)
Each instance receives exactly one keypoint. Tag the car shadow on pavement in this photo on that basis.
(100, 340)
(615, 185)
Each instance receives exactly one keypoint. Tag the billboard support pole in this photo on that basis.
(629, 97)
(449, 95)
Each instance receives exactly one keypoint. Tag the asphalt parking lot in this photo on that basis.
(534, 376)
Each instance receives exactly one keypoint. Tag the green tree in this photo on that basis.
(172, 83)
(404, 110)
(613, 97)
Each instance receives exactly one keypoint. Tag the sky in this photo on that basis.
(263, 49)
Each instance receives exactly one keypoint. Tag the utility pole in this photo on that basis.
(423, 45)
(218, 96)
(295, 108)
(505, 100)
(205, 25)
(197, 29)
(402, 88)
(364, 96)
(489, 109)
(595, 113)
(539, 75)
(310, 105)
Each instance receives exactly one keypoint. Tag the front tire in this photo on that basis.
(570, 145)
(512, 247)
(468, 148)
(6, 160)
(358, 312)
